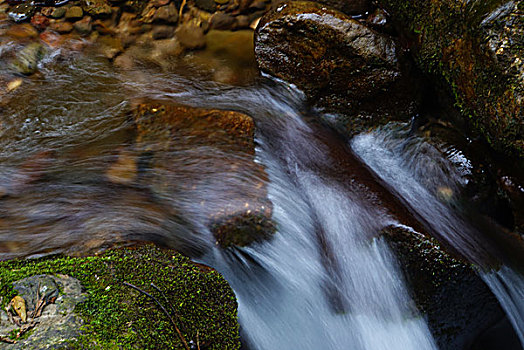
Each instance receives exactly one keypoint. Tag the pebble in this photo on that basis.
(191, 36)
(74, 13)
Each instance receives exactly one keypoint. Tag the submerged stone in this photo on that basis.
(206, 157)
(27, 59)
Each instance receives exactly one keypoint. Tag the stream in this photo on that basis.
(326, 280)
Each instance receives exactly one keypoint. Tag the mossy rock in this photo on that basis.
(474, 52)
(117, 316)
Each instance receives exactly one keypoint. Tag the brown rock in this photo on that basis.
(84, 26)
(22, 31)
(222, 21)
(208, 156)
(39, 21)
(163, 32)
(61, 27)
(168, 14)
(191, 36)
(74, 13)
(51, 39)
(350, 7)
(342, 66)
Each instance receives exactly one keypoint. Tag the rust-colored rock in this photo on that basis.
(203, 160)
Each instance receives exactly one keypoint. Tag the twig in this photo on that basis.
(163, 309)
(198, 342)
(181, 9)
(26, 328)
(172, 310)
(7, 340)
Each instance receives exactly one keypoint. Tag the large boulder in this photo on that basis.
(459, 306)
(342, 65)
(203, 161)
(91, 302)
(474, 50)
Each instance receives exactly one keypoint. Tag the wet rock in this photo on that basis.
(474, 52)
(350, 7)
(22, 31)
(51, 39)
(58, 12)
(22, 12)
(457, 303)
(191, 35)
(111, 312)
(58, 322)
(207, 155)
(163, 32)
(27, 59)
(222, 21)
(110, 47)
(206, 5)
(96, 8)
(168, 14)
(61, 27)
(40, 22)
(343, 66)
(74, 13)
(84, 26)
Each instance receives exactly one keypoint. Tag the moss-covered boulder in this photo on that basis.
(115, 316)
(458, 305)
(342, 65)
(203, 161)
(475, 51)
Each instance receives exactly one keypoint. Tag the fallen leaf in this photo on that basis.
(14, 84)
(19, 306)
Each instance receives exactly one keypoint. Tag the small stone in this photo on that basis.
(163, 32)
(74, 13)
(22, 31)
(125, 62)
(84, 26)
(124, 170)
(97, 8)
(222, 21)
(51, 39)
(158, 3)
(40, 21)
(206, 5)
(167, 14)
(58, 12)
(22, 12)
(61, 27)
(191, 36)
(26, 61)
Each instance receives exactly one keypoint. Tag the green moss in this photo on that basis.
(118, 317)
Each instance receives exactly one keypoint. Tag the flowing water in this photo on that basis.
(326, 280)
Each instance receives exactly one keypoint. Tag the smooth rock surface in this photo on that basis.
(343, 66)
